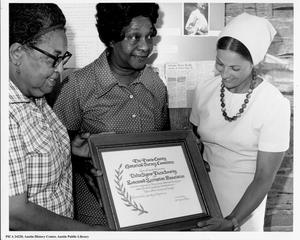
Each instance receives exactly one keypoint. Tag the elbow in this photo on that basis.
(16, 220)
(17, 213)
(264, 181)
(14, 223)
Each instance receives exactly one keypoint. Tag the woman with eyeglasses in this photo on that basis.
(40, 170)
(118, 92)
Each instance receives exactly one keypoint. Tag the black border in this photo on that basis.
(185, 138)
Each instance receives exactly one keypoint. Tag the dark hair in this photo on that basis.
(232, 44)
(113, 17)
(29, 21)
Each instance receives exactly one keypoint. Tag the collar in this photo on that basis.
(15, 95)
(108, 81)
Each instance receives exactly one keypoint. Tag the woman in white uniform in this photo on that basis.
(243, 122)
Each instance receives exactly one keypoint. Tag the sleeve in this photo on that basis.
(275, 131)
(17, 164)
(67, 105)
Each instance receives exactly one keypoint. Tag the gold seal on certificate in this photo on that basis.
(153, 181)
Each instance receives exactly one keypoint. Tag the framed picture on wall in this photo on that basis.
(153, 181)
(196, 20)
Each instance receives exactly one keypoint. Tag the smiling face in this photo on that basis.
(236, 71)
(37, 75)
(132, 52)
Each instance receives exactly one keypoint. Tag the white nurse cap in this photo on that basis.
(256, 33)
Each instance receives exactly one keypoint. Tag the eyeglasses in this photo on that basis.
(57, 59)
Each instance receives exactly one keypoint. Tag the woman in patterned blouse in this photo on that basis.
(118, 92)
(40, 170)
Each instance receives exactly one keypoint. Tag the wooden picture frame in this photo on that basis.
(153, 181)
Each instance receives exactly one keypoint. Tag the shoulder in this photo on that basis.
(19, 113)
(86, 72)
(14, 118)
(152, 71)
(151, 76)
(97, 67)
(271, 103)
(88, 76)
(271, 95)
(151, 80)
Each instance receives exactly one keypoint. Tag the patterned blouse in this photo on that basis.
(39, 154)
(92, 100)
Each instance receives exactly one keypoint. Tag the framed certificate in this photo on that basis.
(153, 181)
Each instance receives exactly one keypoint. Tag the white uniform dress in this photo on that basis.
(231, 147)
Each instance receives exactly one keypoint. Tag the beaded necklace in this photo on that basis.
(244, 105)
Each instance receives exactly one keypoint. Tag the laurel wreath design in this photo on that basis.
(124, 193)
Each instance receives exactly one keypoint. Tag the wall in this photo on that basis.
(177, 47)
(172, 45)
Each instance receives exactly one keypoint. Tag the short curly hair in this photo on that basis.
(113, 17)
(29, 21)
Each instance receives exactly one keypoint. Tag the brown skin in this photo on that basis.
(35, 79)
(37, 76)
(129, 56)
(266, 168)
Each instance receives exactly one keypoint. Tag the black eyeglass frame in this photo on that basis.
(57, 59)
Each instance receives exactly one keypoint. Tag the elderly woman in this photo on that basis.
(118, 92)
(243, 122)
(40, 171)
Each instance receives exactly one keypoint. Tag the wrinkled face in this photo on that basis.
(38, 76)
(234, 70)
(132, 52)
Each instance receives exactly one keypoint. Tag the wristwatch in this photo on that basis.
(236, 226)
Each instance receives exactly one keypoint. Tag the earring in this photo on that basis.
(254, 74)
(18, 71)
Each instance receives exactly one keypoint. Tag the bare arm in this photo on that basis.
(24, 215)
(267, 166)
